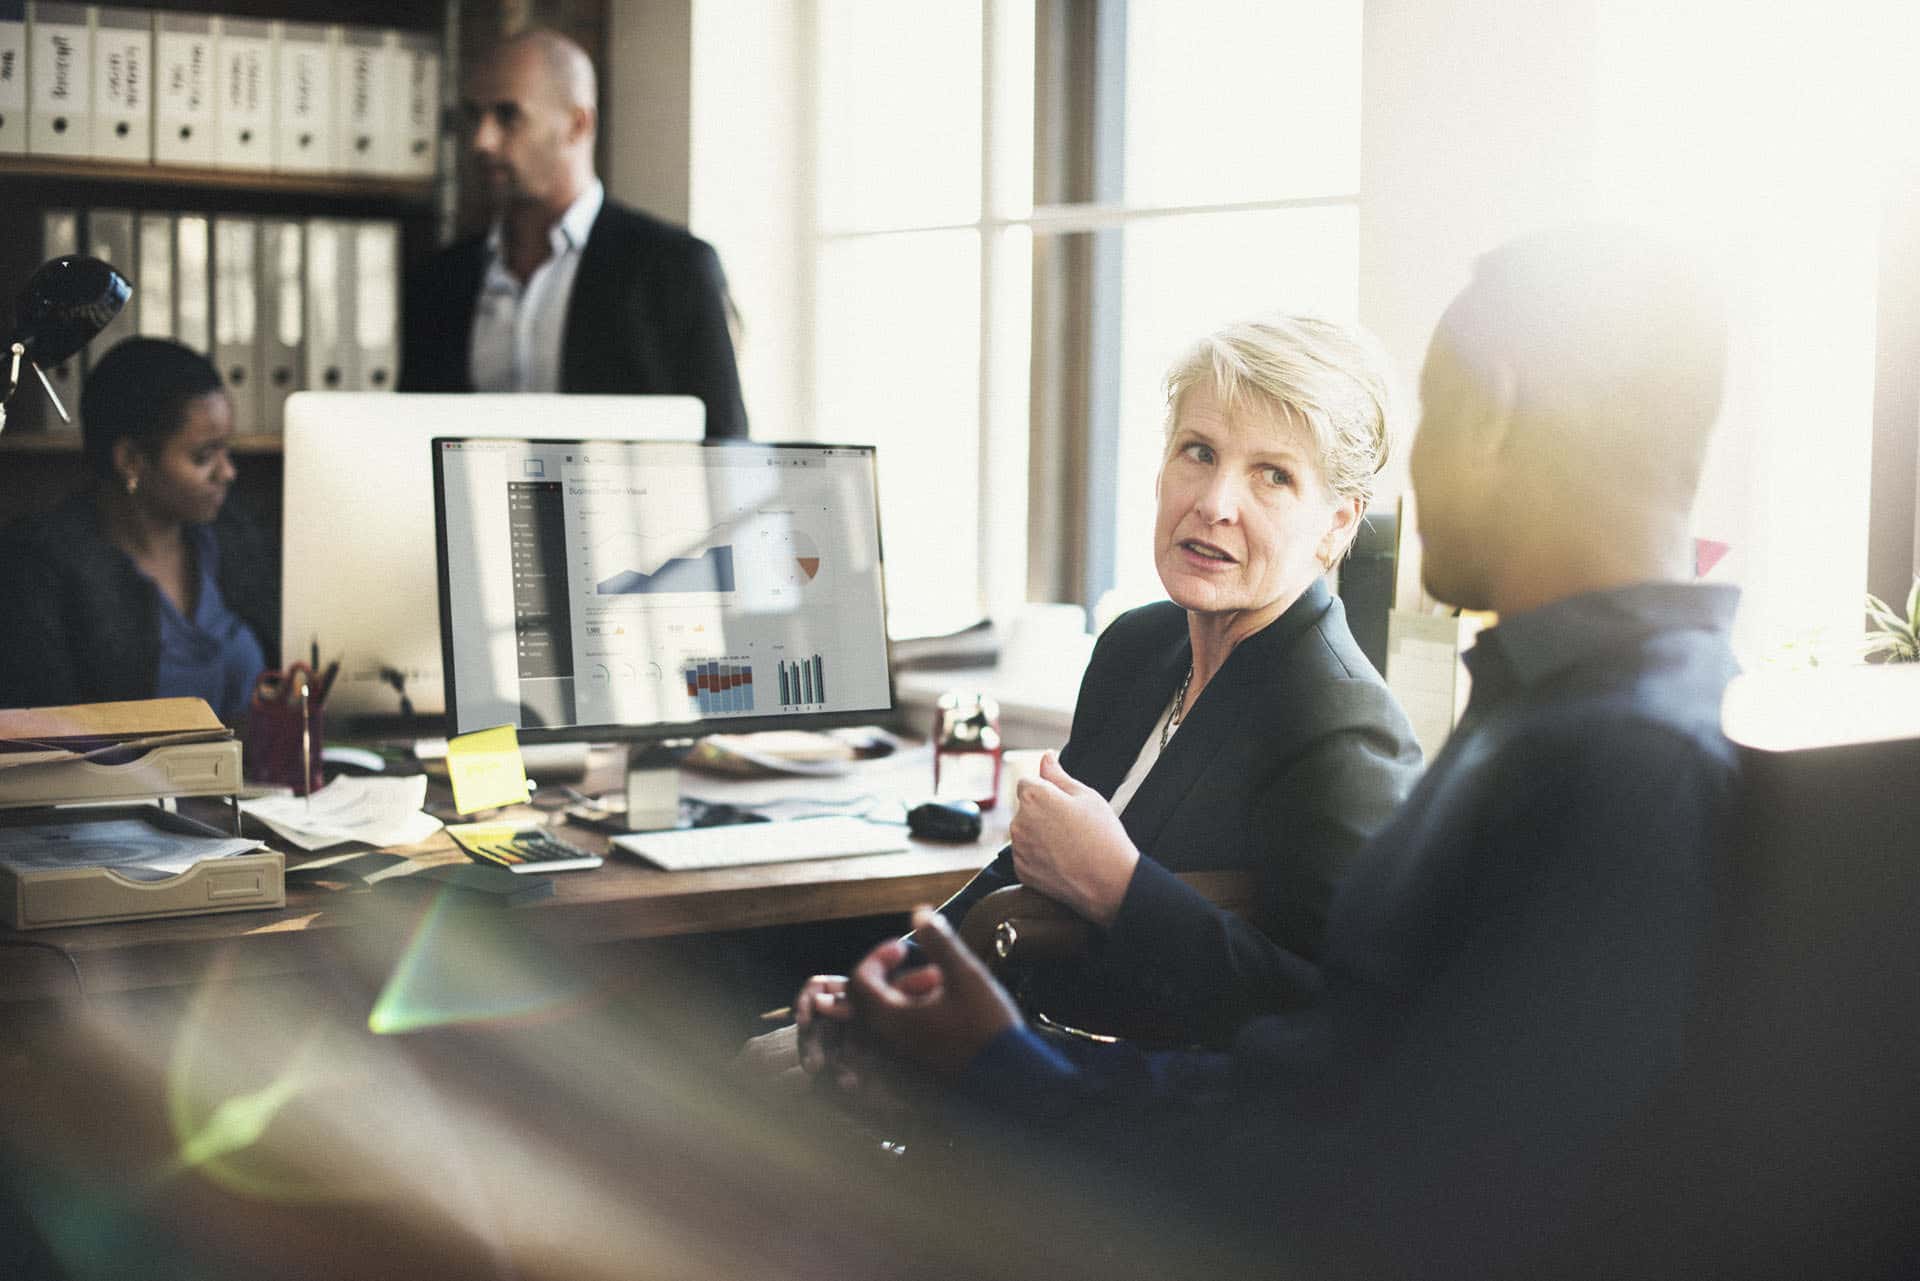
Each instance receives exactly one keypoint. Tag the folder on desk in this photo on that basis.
(416, 102)
(331, 308)
(123, 85)
(13, 77)
(236, 320)
(362, 124)
(376, 305)
(129, 863)
(193, 281)
(281, 361)
(110, 239)
(153, 300)
(183, 91)
(303, 117)
(115, 751)
(245, 95)
(59, 68)
(51, 735)
(59, 235)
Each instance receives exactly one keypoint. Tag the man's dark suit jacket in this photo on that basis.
(648, 316)
(1292, 757)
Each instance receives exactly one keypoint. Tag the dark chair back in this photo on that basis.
(1790, 1144)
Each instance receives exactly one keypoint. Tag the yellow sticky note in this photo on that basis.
(486, 770)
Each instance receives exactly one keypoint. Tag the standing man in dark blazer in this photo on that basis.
(567, 291)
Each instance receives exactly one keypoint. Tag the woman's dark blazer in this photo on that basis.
(79, 624)
(1292, 757)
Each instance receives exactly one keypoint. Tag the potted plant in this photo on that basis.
(1895, 633)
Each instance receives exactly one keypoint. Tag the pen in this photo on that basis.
(326, 681)
(306, 746)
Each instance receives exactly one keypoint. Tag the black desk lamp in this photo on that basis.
(66, 303)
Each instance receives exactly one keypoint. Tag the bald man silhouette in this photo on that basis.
(567, 290)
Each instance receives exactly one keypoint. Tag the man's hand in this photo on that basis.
(939, 1016)
(1069, 844)
(820, 1013)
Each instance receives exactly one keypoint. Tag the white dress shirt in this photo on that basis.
(517, 330)
(1143, 763)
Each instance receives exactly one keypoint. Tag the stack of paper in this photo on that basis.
(138, 850)
(375, 811)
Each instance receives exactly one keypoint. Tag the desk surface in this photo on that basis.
(624, 899)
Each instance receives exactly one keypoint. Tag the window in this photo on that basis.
(1022, 210)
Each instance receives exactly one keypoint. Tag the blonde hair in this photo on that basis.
(1333, 377)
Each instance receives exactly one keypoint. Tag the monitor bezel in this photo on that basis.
(661, 731)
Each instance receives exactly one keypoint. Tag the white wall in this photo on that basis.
(1477, 124)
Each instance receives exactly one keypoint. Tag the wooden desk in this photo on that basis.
(624, 899)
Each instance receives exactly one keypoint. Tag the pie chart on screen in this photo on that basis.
(806, 556)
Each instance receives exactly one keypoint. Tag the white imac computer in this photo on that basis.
(644, 590)
(357, 526)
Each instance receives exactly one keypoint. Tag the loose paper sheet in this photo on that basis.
(377, 811)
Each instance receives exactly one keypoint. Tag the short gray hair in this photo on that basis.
(1333, 377)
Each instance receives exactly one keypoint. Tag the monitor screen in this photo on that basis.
(644, 589)
(357, 524)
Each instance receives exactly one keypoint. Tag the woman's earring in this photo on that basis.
(133, 483)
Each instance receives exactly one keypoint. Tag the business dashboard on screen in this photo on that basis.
(654, 586)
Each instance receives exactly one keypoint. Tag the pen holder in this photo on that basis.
(276, 752)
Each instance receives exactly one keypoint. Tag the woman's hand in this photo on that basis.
(1069, 844)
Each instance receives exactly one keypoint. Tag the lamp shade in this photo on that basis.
(65, 304)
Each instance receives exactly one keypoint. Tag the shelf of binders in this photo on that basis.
(415, 191)
(153, 89)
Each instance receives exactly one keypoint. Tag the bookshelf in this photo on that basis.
(39, 467)
(40, 460)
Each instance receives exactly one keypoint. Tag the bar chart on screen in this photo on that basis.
(717, 686)
(803, 682)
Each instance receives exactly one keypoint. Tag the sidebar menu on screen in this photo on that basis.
(542, 624)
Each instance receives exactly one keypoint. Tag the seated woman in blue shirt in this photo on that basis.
(144, 584)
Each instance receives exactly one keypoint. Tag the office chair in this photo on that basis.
(1786, 1146)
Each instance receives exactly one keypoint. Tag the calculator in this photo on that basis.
(522, 849)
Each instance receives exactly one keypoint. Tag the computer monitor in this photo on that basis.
(357, 525)
(647, 590)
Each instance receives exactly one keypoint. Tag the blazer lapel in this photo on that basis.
(1218, 718)
(591, 308)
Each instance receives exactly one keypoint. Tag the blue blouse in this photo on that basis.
(213, 655)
